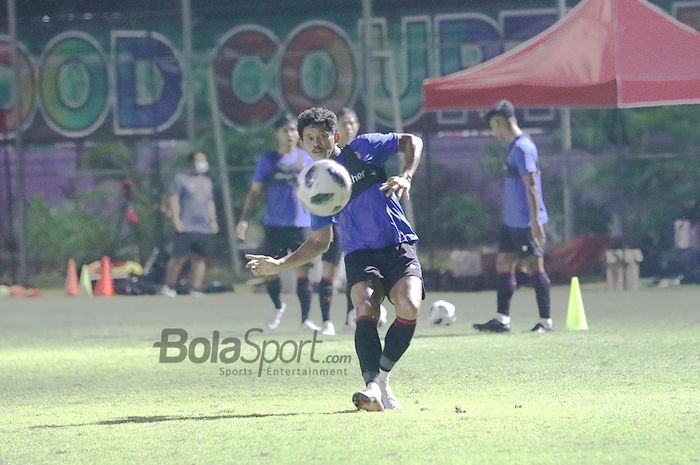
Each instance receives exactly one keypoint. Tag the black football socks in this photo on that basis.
(274, 290)
(304, 294)
(397, 340)
(505, 288)
(325, 297)
(368, 347)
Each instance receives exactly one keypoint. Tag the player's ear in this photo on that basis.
(336, 137)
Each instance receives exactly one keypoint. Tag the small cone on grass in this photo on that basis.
(575, 314)
(85, 281)
(105, 285)
(71, 287)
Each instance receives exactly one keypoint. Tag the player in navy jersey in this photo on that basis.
(286, 221)
(379, 245)
(522, 235)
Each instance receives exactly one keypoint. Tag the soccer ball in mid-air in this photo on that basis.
(324, 187)
(442, 312)
(383, 316)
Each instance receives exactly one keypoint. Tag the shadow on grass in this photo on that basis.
(431, 336)
(161, 418)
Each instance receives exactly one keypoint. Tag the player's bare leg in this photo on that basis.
(172, 272)
(407, 295)
(199, 269)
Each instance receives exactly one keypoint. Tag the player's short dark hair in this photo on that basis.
(345, 111)
(284, 120)
(317, 116)
(192, 154)
(502, 108)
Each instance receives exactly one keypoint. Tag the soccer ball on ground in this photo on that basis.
(442, 312)
(324, 187)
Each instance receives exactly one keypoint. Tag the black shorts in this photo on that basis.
(518, 241)
(335, 251)
(279, 241)
(193, 243)
(387, 265)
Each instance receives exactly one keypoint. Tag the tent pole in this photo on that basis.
(367, 65)
(229, 215)
(388, 62)
(20, 232)
(565, 117)
(186, 19)
(565, 121)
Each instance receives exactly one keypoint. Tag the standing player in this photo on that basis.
(348, 125)
(380, 258)
(286, 220)
(524, 216)
(193, 214)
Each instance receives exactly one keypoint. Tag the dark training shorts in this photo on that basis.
(279, 241)
(193, 243)
(387, 265)
(335, 251)
(518, 241)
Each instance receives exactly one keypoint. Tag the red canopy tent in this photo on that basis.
(603, 53)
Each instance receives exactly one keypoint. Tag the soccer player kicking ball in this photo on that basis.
(380, 258)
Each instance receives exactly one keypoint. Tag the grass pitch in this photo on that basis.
(80, 383)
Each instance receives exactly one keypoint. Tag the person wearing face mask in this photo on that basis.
(194, 220)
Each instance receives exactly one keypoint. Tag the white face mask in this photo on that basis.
(201, 167)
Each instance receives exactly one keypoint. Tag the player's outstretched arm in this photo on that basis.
(251, 200)
(412, 148)
(314, 246)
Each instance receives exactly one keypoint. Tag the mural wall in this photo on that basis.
(92, 77)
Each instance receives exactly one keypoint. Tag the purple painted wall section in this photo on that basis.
(52, 174)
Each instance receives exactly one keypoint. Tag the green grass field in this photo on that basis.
(80, 383)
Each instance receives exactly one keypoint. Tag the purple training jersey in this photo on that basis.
(521, 158)
(279, 175)
(371, 220)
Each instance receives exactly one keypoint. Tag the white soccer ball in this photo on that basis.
(324, 187)
(442, 312)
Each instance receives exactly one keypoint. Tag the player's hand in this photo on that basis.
(398, 185)
(262, 265)
(214, 227)
(241, 229)
(537, 231)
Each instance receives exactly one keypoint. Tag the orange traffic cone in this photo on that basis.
(71, 278)
(105, 285)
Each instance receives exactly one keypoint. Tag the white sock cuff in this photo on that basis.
(501, 318)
